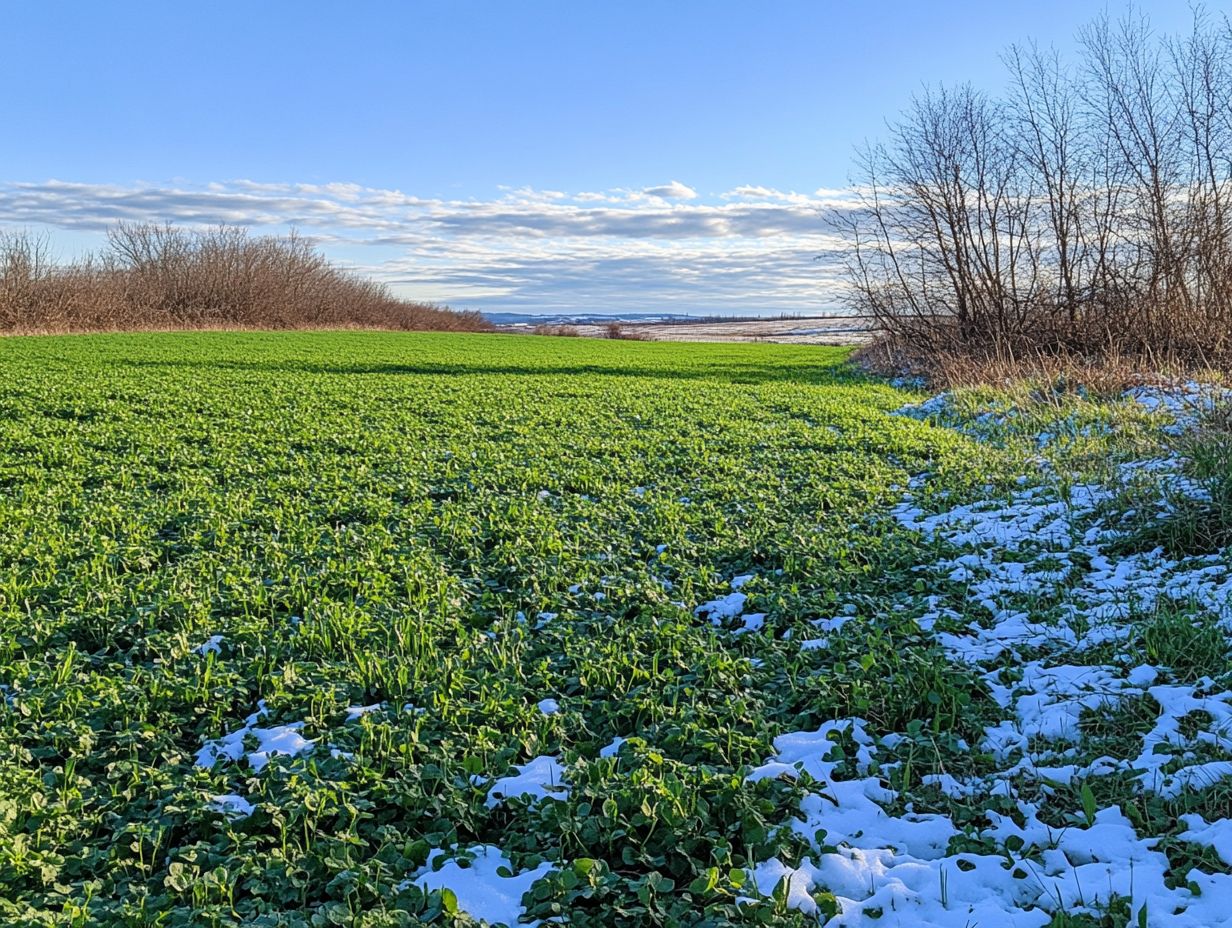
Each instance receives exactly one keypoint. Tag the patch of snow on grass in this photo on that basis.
(1217, 835)
(541, 778)
(897, 869)
(211, 645)
(232, 805)
(724, 608)
(1044, 589)
(486, 887)
(279, 739)
(1186, 403)
(930, 408)
(753, 622)
(354, 713)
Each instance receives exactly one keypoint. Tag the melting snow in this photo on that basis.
(541, 778)
(1217, 835)
(752, 622)
(232, 805)
(278, 739)
(1186, 404)
(486, 887)
(725, 607)
(211, 645)
(894, 868)
(897, 869)
(357, 712)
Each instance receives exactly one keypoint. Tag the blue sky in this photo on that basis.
(526, 156)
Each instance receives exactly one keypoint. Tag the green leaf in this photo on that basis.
(1088, 804)
(449, 901)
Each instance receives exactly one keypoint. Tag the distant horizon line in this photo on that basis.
(647, 316)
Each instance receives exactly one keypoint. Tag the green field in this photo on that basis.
(435, 559)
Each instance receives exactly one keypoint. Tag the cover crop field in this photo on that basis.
(372, 629)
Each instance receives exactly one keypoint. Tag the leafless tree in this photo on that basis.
(1090, 210)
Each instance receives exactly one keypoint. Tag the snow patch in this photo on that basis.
(354, 713)
(724, 608)
(486, 887)
(541, 778)
(232, 805)
(282, 740)
(211, 645)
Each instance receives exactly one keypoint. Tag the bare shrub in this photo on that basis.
(163, 277)
(616, 330)
(560, 331)
(1087, 213)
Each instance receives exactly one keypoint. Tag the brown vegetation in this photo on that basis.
(1106, 373)
(1087, 215)
(616, 330)
(162, 277)
(560, 331)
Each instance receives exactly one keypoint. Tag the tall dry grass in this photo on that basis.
(1104, 373)
(164, 277)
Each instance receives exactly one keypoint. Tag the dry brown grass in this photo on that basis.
(1104, 372)
(161, 277)
(560, 331)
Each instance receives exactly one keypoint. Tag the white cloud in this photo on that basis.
(753, 192)
(751, 249)
(673, 191)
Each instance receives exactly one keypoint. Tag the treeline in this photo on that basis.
(164, 277)
(1087, 211)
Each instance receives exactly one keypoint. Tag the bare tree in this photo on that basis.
(1089, 211)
